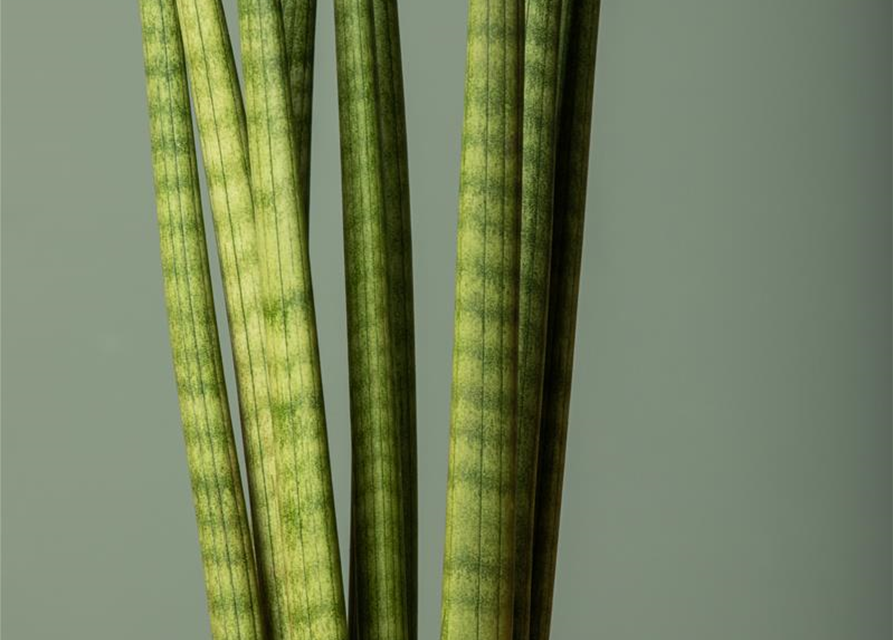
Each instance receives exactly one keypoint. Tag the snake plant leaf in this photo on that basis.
(567, 246)
(234, 600)
(222, 131)
(478, 558)
(379, 406)
(305, 493)
(542, 79)
(398, 240)
(299, 25)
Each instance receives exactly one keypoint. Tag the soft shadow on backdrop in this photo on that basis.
(729, 465)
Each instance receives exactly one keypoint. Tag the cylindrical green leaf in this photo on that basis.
(540, 133)
(221, 119)
(378, 583)
(567, 245)
(299, 24)
(479, 559)
(388, 80)
(398, 240)
(233, 597)
(302, 457)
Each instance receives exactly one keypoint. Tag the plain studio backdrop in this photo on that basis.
(728, 472)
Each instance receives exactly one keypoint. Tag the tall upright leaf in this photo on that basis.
(302, 457)
(222, 128)
(234, 602)
(299, 25)
(379, 598)
(567, 246)
(398, 242)
(540, 133)
(478, 558)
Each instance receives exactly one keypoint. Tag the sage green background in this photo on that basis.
(729, 472)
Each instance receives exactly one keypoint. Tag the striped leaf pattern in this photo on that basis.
(528, 104)
(379, 584)
(542, 74)
(299, 24)
(217, 101)
(305, 493)
(233, 598)
(567, 245)
(398, 242)
(478, 558)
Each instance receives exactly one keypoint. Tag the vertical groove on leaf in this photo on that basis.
(478, 558)
(224, 535)
(302, 457)
(567, 244)
(299, 24)
(378, 528)
(398, 242)
(540, 133)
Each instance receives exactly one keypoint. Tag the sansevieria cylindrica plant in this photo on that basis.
(273, 567)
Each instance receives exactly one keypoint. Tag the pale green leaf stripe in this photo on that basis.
(540, 132)
(302, 456)
(398, 239)
(224, 535)
(478, 558)
(378, 583)
(299, 24)
(221, 121)
(567, 244)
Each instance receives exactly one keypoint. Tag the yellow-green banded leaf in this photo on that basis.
(572, 166)
(302, 455)
(232, 591)
(478, 558)
(221, 121)
(542, 76)
(379, 299)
